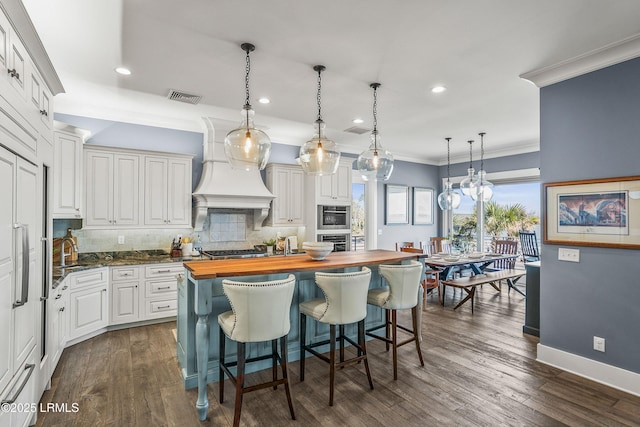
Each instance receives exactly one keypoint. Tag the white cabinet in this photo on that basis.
(67, 175)
(112, 188)
(161, 296)
(59, 325)
(40, 100)
(14, 57)
(125, 295)
(116, 180)
(88, 302)
(286, 182)
(167, 191)
(335, 189)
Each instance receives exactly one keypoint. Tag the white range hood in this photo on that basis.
(222, 187)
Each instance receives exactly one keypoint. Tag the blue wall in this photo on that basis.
(589, 129)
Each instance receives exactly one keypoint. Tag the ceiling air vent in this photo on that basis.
(176, 95)
(357, 130)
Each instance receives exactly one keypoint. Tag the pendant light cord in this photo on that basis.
(247, 105)
(470, 153)
(448, 158)
(319, 68)
(482, 134)
(375, 118)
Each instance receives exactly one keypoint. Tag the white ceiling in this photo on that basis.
(476, 48)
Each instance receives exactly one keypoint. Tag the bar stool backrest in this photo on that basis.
(404, 281)
(345, 294)
(261, 309)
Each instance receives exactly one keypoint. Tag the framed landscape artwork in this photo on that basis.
(422, 206)
(397, 204)
(599, 212)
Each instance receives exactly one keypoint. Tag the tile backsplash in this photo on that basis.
(224, 229)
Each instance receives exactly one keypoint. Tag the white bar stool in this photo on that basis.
(260, 312)
(344, 302)
(402, 293)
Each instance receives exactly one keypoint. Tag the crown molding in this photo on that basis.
(608, 55)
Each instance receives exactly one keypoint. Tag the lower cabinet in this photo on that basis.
(88, 302)
(124, 303)
(59, 326)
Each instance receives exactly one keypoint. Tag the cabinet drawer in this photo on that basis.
(164, 270)
(161, 308)
(89, 278)
(156, 288)
(119, 274)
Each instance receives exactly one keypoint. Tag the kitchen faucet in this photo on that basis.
(287, 247)
(62, 254)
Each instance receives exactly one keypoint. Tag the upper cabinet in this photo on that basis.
(117, 179)
(286, 182)
(167, 191)
(67, 175)
(335, 189)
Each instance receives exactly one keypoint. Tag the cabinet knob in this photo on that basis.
(61, 309)
(44, 113)
(13, 73)
(58, 296)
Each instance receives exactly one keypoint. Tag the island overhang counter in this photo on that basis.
(201, 299)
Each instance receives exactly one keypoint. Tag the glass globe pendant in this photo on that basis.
(449, 198)
(485, 188)
(376, 163)
(247, 147)
(319, 155)
(469, 185)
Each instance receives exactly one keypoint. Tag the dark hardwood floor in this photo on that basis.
(480, 370)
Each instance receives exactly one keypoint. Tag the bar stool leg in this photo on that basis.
(414, 318)
(394, 342)
(239, 384)
(220, 363)
(303, 342)
(274, 360)
(332, 361)
(387, 329)
(364, 351)
(285, 373)
(341, 338)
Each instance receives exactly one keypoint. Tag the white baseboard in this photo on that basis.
(611, 376)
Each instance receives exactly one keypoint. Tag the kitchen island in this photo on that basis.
(201, 299)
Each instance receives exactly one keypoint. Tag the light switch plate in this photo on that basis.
(598, 344)
(571, 255)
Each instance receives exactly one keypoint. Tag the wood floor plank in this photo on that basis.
(480, 370)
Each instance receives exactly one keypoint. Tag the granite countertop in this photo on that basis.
(91, 260)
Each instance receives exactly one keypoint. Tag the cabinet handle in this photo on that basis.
(64, 288)
(114, 221)
(104, 290)
(164, 271)
(30, 368)
(58, 296)
(163, 306)
(168, 221)
(44, 113)
(13, 73)
(165, 287)
(61, 309)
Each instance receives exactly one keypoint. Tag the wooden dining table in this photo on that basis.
(477, 265)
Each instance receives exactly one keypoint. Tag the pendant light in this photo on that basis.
(449, 198)
(375, 163)
(319, 155)
(247, 147)
(469, 185)
(485, 188)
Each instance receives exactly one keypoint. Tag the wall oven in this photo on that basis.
(334, 217)
(341, 242)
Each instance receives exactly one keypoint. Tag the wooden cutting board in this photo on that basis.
(73, 258)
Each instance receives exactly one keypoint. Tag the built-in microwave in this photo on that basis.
(341, 242)
(334, 217)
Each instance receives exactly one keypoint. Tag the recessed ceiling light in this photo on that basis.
(122, 70)
(438, 89)
(358, 121)
(264, 100)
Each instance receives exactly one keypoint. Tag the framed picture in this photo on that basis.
(422, 206)
(598, 212)
(397, 204)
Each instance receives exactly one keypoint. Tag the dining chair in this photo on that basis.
(442, 244)
(400, 245)
(259, 312)
(504, 247)
(529, 246)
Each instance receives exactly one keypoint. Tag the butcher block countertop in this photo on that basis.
(291, 264)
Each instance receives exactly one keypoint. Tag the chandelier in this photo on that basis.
(247, 147)
(319, 155)
(375, 163)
